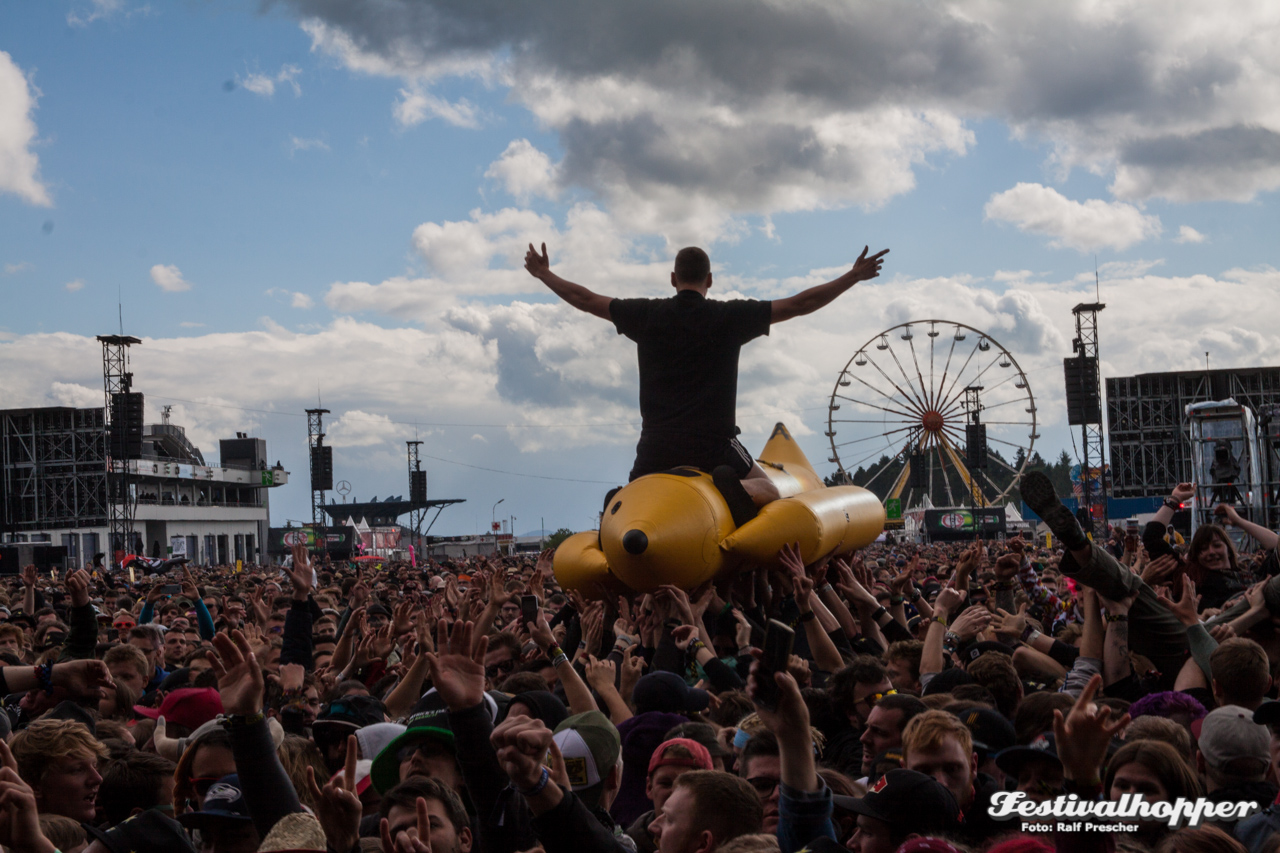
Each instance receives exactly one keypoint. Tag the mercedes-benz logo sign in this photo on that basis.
(344, 488)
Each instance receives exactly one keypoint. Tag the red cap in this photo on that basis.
(189, 706)
(699, 760)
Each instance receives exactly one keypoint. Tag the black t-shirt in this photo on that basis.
(687, 348)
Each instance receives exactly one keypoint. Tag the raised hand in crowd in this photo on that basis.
(240, 679)
(415, 839)
(1084, 734)
(457, 669)
(19, 816)
(338, 805)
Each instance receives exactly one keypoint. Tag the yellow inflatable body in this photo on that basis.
(675, 528)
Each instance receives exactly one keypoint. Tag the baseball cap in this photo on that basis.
(146, 832)
(666, 691)
(991, 731)
(422, 726)
(1013, 759)
(225, 801)
(699, 758)
(905, 798)
(351, 713)
(190, 707)
(1229, 733)
(976, 650)
(590, 745)
(705, 734)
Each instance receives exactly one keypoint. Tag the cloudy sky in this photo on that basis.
(329, 199)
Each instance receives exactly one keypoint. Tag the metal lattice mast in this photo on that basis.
(321, 479)
(415, 478)
(1093, 495)
(116, 379)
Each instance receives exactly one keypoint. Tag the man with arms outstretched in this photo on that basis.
(687, 348)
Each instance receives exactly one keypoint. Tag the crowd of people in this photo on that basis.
(474, 706)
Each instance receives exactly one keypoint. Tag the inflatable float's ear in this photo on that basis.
(823, 521)
(580, 564)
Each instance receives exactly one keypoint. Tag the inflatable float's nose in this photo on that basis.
(634, 542)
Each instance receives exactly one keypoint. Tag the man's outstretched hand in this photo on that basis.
(863, 269)
(539, 265)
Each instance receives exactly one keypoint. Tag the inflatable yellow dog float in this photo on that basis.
(675, 528)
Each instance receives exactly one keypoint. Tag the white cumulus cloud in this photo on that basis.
(1187, 234)
(74, 285)
(1086, 226)
(19, 166)
(265, 84)
(297, 143)
(524, 171)
(169, 278)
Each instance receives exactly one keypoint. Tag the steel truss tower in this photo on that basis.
(116, 379)
(1093, 495)
(321, 475)
(417, 482)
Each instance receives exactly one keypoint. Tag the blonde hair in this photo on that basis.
(45, 741)
(125, 653)
(756, 842)
(929, 730)
(296, 754)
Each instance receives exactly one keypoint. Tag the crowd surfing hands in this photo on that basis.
(19, 816)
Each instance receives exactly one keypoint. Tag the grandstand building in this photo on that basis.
(54, 490)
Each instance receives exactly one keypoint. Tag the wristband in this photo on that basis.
(896, 599)
(810, 616)
(879, 611)
(1172, 504)
(554, 651)
(697, 646)
(1116, 617)
(1027, 632)
(582, 644)
(44, 677)
(951, 638)
(915, 594)
(941, 619)
(537, 789)
(559, 659)
(238, 720)
(1035, 635)
(1002, 586)
(826, 587)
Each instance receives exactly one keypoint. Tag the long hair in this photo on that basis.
(1203, 539)
(1163, 761)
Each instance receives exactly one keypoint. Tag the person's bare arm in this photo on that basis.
(808, 301)
(1264, 537)
(539, 266)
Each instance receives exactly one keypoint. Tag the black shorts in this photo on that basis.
(655, 454)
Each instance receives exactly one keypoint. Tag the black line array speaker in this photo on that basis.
(1084, 400)
(126, 425)
(418, 487)
(975, 447)
(919, 476)
(321, 468)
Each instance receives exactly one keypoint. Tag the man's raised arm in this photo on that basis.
(576, 295)
(808, 301)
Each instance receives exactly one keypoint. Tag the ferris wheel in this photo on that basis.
(933, 412)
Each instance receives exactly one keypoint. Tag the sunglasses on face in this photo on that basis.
(764, 785)
(122, 626)
(872, 698)
(502, 668)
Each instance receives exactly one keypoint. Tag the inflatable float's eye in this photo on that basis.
(615, 509)
(635, 542)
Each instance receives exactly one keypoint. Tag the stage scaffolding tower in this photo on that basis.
(1093, 493)
(117, 380)
(321, 458)
(417, 488)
